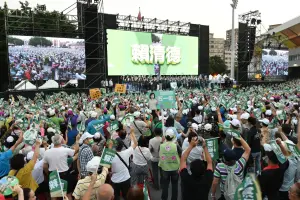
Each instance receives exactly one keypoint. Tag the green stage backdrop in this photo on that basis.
(138, 53)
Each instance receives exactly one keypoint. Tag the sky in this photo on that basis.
(215, 13)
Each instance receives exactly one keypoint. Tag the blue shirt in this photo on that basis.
(72, 136)
(96, 126)
(4, 162)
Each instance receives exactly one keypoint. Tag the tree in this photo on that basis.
(15, 41)
(39, 41)
(217, 65)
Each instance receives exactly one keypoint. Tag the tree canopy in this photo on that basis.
(217, 65)
(39, 41)
(15, 41)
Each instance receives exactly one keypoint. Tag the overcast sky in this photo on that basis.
(215, 13)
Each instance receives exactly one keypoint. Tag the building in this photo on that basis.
(228, 39)
(216, 46)
(227, 58)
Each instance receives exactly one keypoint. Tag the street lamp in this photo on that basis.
(233, 5)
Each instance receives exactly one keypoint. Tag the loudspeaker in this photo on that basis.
(4, 75)
(202, 32)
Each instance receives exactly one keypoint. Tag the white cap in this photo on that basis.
(170, 133)
(235, 123)
(85, 136)
(265, 121)
(52, 112)
(29, 155)
(233, 116)
(9, 139)
(97, 135)
(93, 165)
(112, 117)
(208, 127)
(245, 116)
(213, 108)
(51, 130)
(234, 110)
(264, 98)
(136, 114)
(272, 98)
(195, 126)
(200, 107)
(94, 114)
(268, 112)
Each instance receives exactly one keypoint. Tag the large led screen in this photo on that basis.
(275, 62)
(44, 58)
(139, 53)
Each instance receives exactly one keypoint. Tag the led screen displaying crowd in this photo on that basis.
(275, 63)
(44, 63)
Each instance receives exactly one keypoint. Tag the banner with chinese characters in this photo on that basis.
(120, 88)
(140, 53)
(213, 148)
(276, 149)
(249, 189)
(95, 93)
(113, 126)
(166, 99)
(107, 157)
(58, 187)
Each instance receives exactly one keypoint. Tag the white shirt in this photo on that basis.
(57, 158)
(154, 143)
(37, 172)
(119, 171)
(196, 153)
(111, 83)
(138, 158)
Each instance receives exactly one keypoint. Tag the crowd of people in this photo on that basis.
(44, 63)
(256, 130)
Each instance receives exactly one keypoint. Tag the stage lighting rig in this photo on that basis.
(41, 7)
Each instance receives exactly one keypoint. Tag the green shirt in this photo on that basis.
(57, 121)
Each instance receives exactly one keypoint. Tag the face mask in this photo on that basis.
(91, 142)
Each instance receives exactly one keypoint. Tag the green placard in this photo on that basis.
(213, 148)
(113, 126)
(166, 99)
(249, 189)
(98, 126)
(293, 149)
(276, 149)
(232, 132)
(58, 187)
(107, 157)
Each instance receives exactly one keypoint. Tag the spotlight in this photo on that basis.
(253, 21)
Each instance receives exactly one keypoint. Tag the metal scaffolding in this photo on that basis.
(131, 23)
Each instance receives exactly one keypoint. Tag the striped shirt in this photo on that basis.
(83, 185)
(222, 170)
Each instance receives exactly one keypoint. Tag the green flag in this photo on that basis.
(233, 132)
(213, 148)
(293, 149)
(249, 189)
(107, 157)
(57, 186)
(145, 190)
(276, 149)
(113, 126)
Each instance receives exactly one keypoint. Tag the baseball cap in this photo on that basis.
(195, 126)
(70, 112)
(94, 114)
(85, 136)
(97, 135)
(235, 123)
(265, 121)
(268, 112)
(170, 133)
(226, 124)
(29, 155)
(245, 116)
(112, 117)
(137, 114)
(200, 107)
(93, 165)
(208, 127)
(229, 155)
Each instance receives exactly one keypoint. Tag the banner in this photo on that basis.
(233, 132)
(107, 157)
(249, 189)
(113, 126)
(57, 186)
(213, 148)
(95, 93)
(120, 88)
(166, 99)
(293, 149)
(281, 158)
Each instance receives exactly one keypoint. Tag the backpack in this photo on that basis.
(231, 184)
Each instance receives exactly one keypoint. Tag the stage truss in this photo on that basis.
(131, 23)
